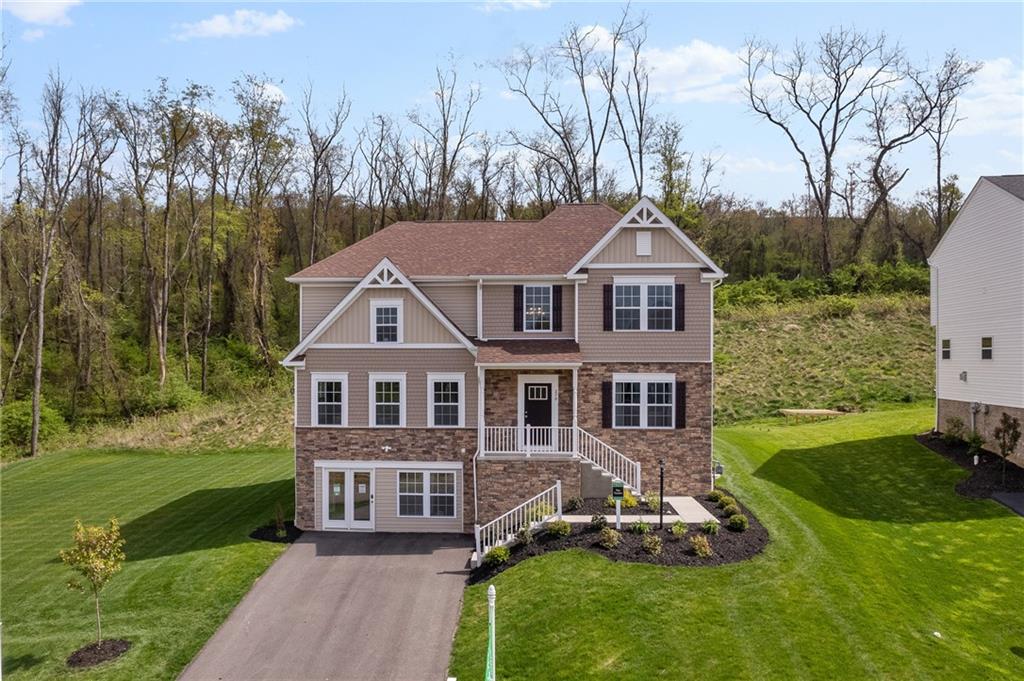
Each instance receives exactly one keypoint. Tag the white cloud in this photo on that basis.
(513, 5)
(508, 95)
(753, 164)
(695, 72)
(273, 93)
(242, 23)
(994, 104)
(599, 36)
(44, 12)
(32, 34)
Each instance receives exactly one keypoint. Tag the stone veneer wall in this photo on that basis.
(365, 444)
(501, 396)
(985, 423)
(503, 484)
(687, 451)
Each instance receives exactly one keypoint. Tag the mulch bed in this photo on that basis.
(269, 533)
(986, 477)
(592, 506)
(96, 653)
(728, 546)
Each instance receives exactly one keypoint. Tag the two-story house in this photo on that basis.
(448, 371)
(977, 309)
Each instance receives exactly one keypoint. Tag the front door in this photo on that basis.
(537, 407)
(348, 500)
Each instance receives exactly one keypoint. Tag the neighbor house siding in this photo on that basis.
(317, 302)
(691, 345)
(419, 324)
(664, 249)
(359, 363)
(499, 313)
(979, 273)
(458, 302)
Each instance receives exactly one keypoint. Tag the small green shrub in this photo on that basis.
(653, 502)
(955, 431)
(609, 538)
(497, 556)
(739, 523)
(281, 531)
(628, 500)
(731, 510)
(651, 544)
(975, 442)
(640, 527)
(678, 530)
(573, 504)
(16, 423)
(559, 528)
(524, 536)
(598, 521)
(539, 512)
(725, 501)
(714, 495)
(700, 545)
(836, 307)
(709, 527)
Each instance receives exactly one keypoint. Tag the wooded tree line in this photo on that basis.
(146, 239)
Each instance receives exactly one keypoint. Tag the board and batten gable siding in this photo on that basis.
(419, 324)
(317, 302)
(978, 287)
(664, 249)
(457, 302)
(499, 313)
(359, 363)
(691, 345)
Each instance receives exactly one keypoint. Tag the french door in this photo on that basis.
(348, 499)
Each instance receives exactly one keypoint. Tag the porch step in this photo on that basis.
(595, 482)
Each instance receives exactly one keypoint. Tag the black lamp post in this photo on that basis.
(661, 494)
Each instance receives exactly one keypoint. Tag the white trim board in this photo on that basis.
(376, 463)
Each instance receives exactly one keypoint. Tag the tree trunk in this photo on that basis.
(99, 631)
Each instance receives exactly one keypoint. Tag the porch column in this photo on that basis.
(575, 422)
(480, 408)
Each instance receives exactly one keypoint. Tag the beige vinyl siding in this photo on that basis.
(458, 302)
(318, 491)
(419, 324)
(359, 363)
(317, 302)
(386, 504)
(664, 249)
(499, 313)
(691, 345)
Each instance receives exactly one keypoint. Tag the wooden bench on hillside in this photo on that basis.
(796, 415)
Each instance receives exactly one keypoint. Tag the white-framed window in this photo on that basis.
(643, 243)
(946, 349)
(986, 347)
(329, 400)
(645, 305)
(537, 308)
(426, 494)
(643, 401)
(387, 400)
(446, 400)
(386, 321)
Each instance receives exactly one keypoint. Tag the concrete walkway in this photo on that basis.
(345, 606)
(1012, 500)
(686, 509)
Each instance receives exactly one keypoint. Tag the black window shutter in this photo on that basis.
(517, 308)
(680, 404)
(680, 307)
(556, 308)
(606, 404)
(609, 306)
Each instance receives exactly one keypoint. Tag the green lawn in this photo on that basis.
(871, 552)
(185, 519)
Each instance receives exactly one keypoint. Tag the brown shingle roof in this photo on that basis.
(459, 248)
(528, 351)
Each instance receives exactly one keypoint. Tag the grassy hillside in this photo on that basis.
(831, 352)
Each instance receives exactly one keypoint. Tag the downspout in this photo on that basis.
(714, 285)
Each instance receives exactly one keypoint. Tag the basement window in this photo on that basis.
(945, 349)
(986, 347)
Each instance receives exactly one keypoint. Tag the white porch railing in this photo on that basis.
(610, 459)
(528, 440)
(502, 530)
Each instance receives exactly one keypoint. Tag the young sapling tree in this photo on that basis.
(1007, 435)
(96, 556)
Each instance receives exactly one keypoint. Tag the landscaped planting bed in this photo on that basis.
(986, 477)
(638, 542)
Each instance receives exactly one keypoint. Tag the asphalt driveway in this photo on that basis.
(345, 606)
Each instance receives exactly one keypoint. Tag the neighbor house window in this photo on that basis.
(536, 308)
(945, 349)
(645, 306)
(387, 400)
(986, 347)
(386, 321)
(426, 494)
(329, 399)
(446, 400)
(644, 401)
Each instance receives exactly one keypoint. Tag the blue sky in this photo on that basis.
(384, 54)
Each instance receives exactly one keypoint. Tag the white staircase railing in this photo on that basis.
(610, 459)
(532, 512)
(528, 440)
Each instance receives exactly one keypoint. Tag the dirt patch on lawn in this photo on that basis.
(97, 653)
(269, 533)
(986, 477)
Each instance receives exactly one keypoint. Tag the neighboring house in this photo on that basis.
(448, 371)
(977, 309)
